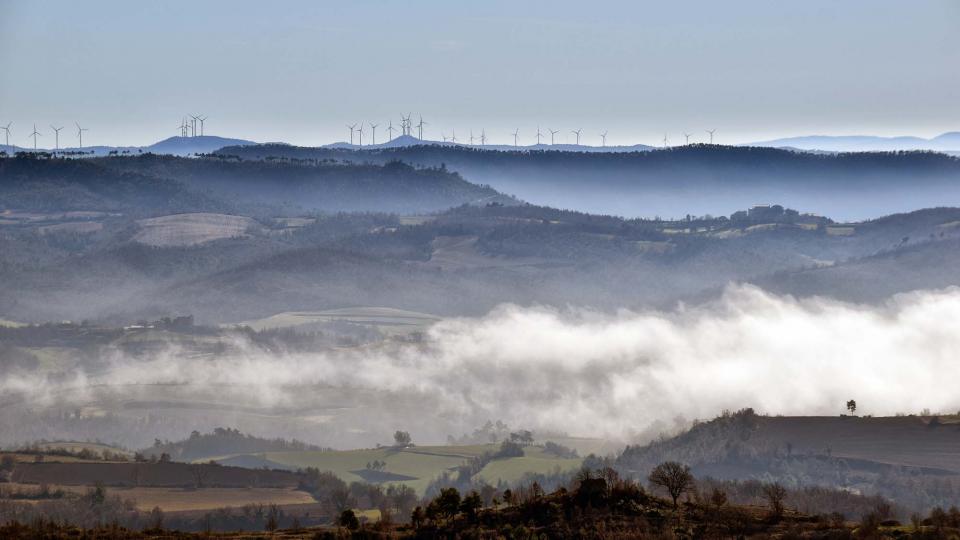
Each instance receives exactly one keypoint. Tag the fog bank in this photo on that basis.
(578, 371)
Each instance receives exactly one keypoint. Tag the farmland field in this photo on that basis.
(420, 464)
(185, 499)
(534, 461)
(387, 320)
(910, 441)
(180, 499)
(78, 446)
(191, 229)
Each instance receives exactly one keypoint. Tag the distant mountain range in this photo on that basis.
(204, 144)
(409, 140)
(947, 142)
(177, 146)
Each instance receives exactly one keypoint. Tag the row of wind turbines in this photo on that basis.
(407, 126)
(188, 128)
(35, 134)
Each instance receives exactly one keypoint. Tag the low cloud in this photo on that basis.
(590, 373)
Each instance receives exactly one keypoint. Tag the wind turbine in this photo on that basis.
(80, 131)
(443, 136)
(665, 140)
(390, 130)
(577, 132)
(420, 128)
(686, 137)
(552, 133)
(193, 125)
(360, 132)
(538, 135)
(483, 137)
(515, 136)
(471, 137)
(373, 127)
(7, 129)
(603, 137)
(56, 131)
(453, 137)
(710, 131)
(201, 119)
(35, 134)
(351, 128)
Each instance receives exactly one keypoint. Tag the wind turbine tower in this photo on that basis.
(7, 129)
(373, 128)
(80, 131)
(56, 134)
(665, 140)
(201, 119)
(390, 129)
(35, 134)
(686, 137)
(351, 128)
(420, 128)
(193, 125)
(710, 131)
(603, 137)
(360, 132)
(517, 131)
(577, 133)
(453, 136)
(483, 137)
(471, 137)
(552, 133)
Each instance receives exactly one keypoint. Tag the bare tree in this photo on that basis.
(200, 473)
(775, 494)
(674, 477)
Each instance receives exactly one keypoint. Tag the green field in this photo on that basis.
(533, 461)
(421, 464)
(389, 321)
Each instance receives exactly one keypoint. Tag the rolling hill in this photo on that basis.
(312, 185)
(695, 179)
(909, 459)
(56, 185)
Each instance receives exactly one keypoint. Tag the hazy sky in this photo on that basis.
(298, 71)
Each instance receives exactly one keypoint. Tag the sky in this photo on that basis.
(299, 71)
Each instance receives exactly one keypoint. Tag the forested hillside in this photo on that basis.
(696, 179)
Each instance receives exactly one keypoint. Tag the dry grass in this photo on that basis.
(185, 499)
(178, 499)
